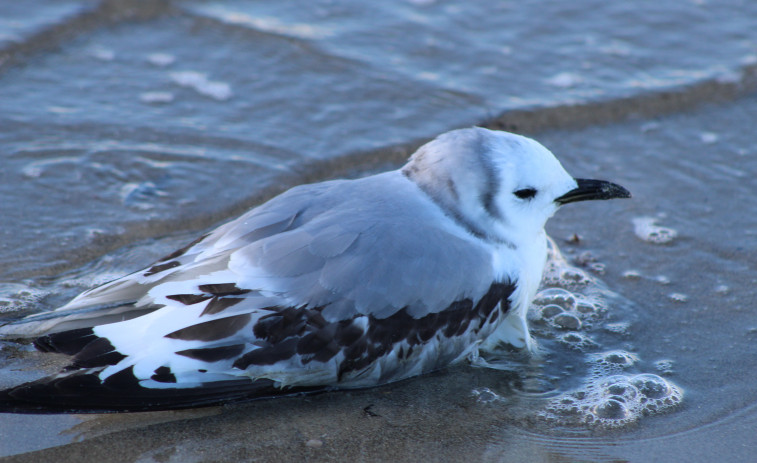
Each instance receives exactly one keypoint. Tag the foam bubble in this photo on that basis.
(749, 60)
(722, 289)
(577, 341)
(559, 273)
(556, 296)
(563, 310)
(570, 312)
(15, 297)
(613, 401)
(603, 363)
(485, 395)
(534, 385)
(156, 97)
(567, 321)
(618, 328)
(584, 306)
(565, 80)
(566, 317)
(200, 83)
(551, 310)
(646, 229)
(161, 59)
(597, 268)
(662, 279)
(709, 138)
(612, 398)
(664, 366)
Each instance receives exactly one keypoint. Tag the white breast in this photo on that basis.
(526, 263)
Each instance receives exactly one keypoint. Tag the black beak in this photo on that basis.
(593, 189)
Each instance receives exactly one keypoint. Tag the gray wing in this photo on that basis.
(371, 246)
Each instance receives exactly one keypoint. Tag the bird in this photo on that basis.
(334, 285)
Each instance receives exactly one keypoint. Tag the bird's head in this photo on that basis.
(499, 185)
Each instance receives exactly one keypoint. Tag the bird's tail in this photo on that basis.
(79, 388)
(82, 391)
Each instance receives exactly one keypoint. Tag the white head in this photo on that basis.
(501, 186)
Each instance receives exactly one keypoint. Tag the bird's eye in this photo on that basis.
(525, 193)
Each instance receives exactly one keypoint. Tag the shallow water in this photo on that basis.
(127, 129)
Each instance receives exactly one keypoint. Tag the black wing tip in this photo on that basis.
(79, 389)
(83, 393)
(65, 342)
(9, 403)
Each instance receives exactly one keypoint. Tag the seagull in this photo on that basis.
(334, 285)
